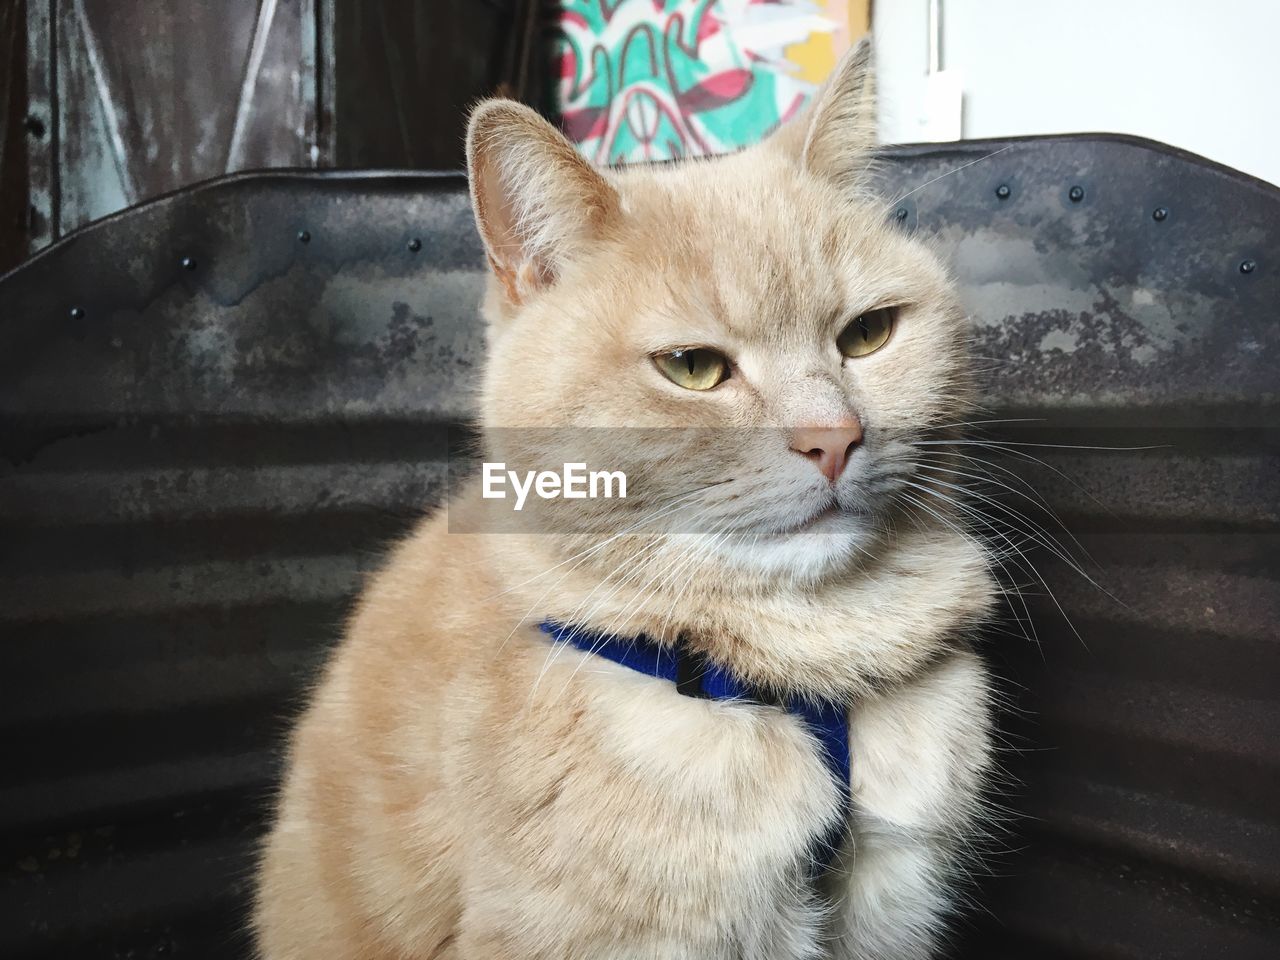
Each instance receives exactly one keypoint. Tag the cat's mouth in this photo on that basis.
(826, 513)
(824, 519)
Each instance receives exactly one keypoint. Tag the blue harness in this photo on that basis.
(826, 721)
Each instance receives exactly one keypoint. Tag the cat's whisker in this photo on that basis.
(1014, 549)
(982, 423)
(1050, 446)
(990, 524)
(1026, 457)
(579, 619)
(1037, 532)
(701, 548)
(990, 559)
(669, 620)
(581, 558)
(671, 507)
(653, 585)
(1034, 497)
(949, 173)
(660, 578)
(938, 460)
(624, 612)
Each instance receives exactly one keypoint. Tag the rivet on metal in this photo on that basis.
(1076, 194)
(1003, 191)
(77, 313)
(415, 245)
(188, 263)
(1159, 213)
(1248, 266)
(304, 236)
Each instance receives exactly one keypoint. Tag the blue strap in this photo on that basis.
(826, 720)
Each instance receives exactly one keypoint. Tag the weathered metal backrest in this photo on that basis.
(216, 408)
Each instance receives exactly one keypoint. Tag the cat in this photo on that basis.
(466, 783)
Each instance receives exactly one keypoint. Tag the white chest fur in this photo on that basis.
(643, 823)
(682, 826)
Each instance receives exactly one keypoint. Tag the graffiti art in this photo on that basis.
(644, 80)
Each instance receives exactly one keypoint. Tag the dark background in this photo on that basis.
(110, 102)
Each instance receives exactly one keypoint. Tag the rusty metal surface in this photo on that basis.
(15, 130)
(42, 187)
(197, 462)
(129, 99)
(143, 98)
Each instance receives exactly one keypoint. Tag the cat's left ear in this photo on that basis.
(538, 204)
(837, 131)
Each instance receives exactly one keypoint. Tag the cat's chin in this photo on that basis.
(819, 547)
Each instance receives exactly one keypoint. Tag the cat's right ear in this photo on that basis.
(538, 204)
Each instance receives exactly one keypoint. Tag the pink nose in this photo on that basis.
(828, 447)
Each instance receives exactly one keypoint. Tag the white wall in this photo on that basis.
(1202, 76)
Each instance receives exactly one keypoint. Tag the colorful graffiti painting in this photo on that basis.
(656, 79)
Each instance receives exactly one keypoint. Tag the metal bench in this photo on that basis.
(217, 407)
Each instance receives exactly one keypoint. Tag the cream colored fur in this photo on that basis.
(458, 788)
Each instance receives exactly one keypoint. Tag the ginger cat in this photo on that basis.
(467, 785)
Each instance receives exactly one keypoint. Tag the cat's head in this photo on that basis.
(782, 344)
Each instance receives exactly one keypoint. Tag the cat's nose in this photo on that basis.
(829, 447)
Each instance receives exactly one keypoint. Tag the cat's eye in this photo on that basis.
(867, 333)
(695, 369)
